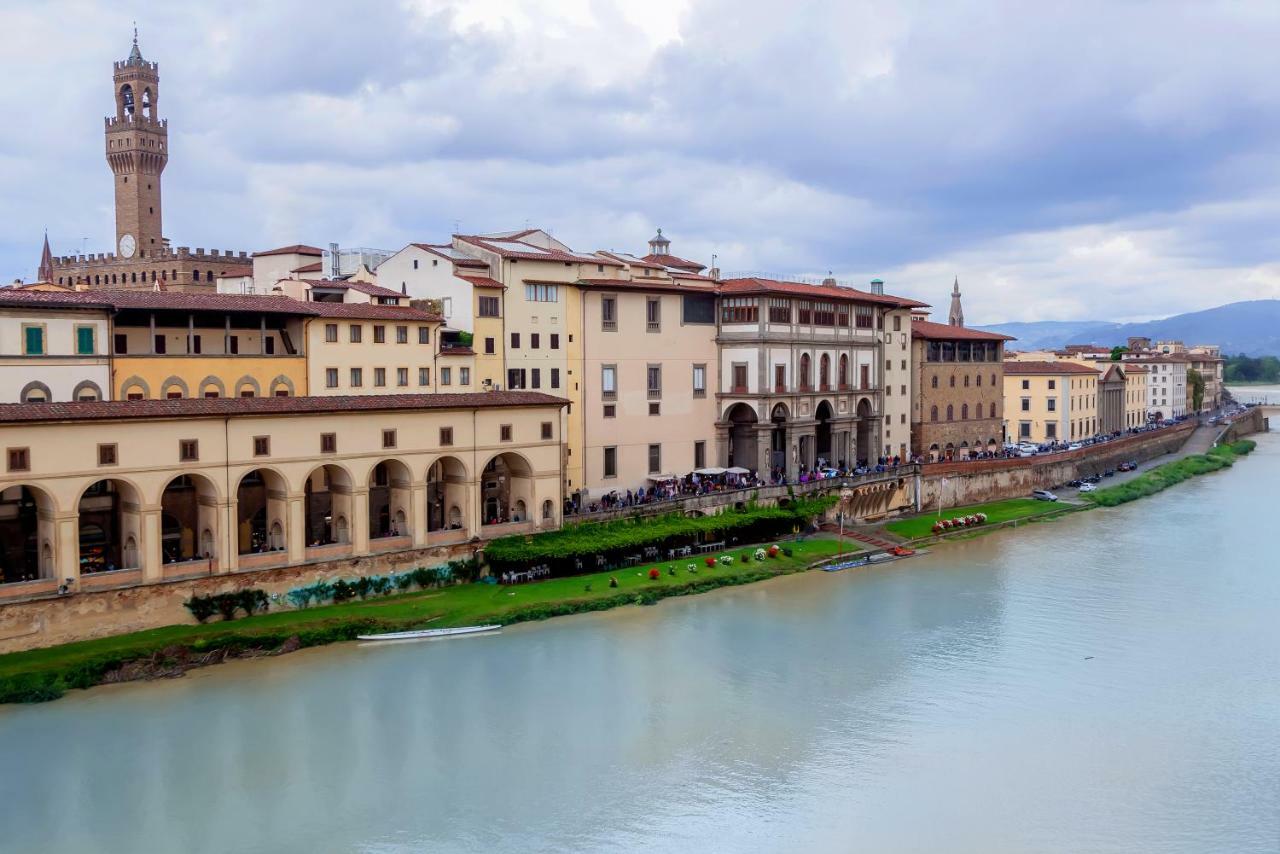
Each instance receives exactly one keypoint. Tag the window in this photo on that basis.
(655, 408)
(19, 459)
(85, 343)
(32, 340)
(610, 410)
(379, 334)
(328, 443)
(699, 380)
(655, 459)
(1051, 430)
(515, 340)
(740, 378)
(1053, 405)
(488, 307)
(504, 433)
(122, 343)
(331, 333)
(188, 450)
(489, 346)
(555, 378)
(951, 412)
(515, 378)
(388, 438)
(357, 377)
(933, 381)
(535, 340)
(261, 446)
(446, 436)
(739, 310)
(535, 378)
(609, 381)
(424, 334)
(654, 380)
(464, 376)
(402, 377)
(608, 313)
(1026, 384)
(541, 293)
(555, 340)
(699, 454)
(424, 376)
(653, 314)
(446, 376)
(779, 377)
(330, 377)
(1024, 430)
(415, 263)
(356, 333)
(779, 310)
(1026, 404)
(862, 316)
(134, 395)
(933, 413)
(897, 323)
(964, 412)
(379, 377)
(610, 462)
(1053, 384)
(269, 345)
(233, 343)
(865, 376)
(698, 308)
(546, 430)
(952, 380)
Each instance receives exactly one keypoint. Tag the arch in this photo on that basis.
(506, 483)
(964, 412)
(953, 380)
(822, 434)
(949, 452)
(966, 380)
(951, 412)
(843, 377)
(212, 384)
(35, 392)
(27, 535)
(446, 494)
(282, 384)
(743, 450)
(934, 452)
(977, 380)
(189, 519)
(86, 390)
(993, 410)
(124, 101)
(548, 510)
(933, 381)
(249, 384)
(110, 519)
(933, 412)
(327, 497)
(778, 438)
(262, 510)
(865, 450)
(174, 387)
(135, 385)
(390, 490)
(148, 103)
(824, 372)
(806, 375)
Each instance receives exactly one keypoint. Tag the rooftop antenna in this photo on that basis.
(457, 226)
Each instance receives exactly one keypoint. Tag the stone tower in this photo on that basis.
(956, 317)
(137, 151)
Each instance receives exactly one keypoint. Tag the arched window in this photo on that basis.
(966, 380)
(978, 381)
(964, 412)
(934, 382)
(951, 412)
(824, 372)
(548, 510)
(933, 413)
(805, 366)
(195, 275)
(993, 411)
(993, 379)
(844, 370)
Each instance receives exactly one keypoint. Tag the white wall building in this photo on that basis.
(53, 355)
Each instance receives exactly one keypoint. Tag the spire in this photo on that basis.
(45, 273)
(135, 55)
(956, 317)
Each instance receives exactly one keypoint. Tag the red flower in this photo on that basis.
(654, 575)
(711, 561)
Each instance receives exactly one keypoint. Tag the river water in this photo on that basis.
(1104, 683)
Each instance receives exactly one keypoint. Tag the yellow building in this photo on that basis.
(364, 348)
(1050, 401)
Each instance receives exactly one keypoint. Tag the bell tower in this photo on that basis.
(137, 151)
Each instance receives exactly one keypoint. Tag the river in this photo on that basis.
(1261, 393)
(1103, 683)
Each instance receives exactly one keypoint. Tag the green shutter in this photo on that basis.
(84, 341)
(35, 341)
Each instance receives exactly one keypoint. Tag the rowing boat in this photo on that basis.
(428, 633)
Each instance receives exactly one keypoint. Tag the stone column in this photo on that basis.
(229, 560)
(152, 560)
(66, 544)
(295, 532)
(418, 513)
(764, 450)
(722, 445)
(360, 520)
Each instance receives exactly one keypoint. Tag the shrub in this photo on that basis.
(227, 604)
(201, 607)
(343, 591)
(252, 600)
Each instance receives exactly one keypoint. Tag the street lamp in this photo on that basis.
(845, 495)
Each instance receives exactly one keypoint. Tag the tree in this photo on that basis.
(1118, 352)
(1196, 381)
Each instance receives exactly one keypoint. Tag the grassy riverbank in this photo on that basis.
(1164, 476)
(997, 511)
(45, 674)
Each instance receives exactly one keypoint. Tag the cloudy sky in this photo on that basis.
(1066, 161)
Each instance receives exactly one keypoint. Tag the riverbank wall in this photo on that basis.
(1251, 421)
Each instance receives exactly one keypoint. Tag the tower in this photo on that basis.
(659, 245)
(137, 151)
(956, 317)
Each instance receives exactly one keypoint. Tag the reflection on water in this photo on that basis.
(1101, 683)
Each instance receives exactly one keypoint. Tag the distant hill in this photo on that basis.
(1251, 327)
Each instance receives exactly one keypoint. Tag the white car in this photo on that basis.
(1087, 487)
(1074, 446)
(1043, 495)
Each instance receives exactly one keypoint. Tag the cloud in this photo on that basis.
(1063, 161)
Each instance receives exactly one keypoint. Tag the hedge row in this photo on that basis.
(612, 540)
(1164, 476)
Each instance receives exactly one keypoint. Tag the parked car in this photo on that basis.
(1074, 446)
(1109, 473)
(1087, 487)
(1043, 495)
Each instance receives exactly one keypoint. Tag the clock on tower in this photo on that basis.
(128, 246)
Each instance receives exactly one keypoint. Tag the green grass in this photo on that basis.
(44, 674)
(997, 511)
(1164, 476)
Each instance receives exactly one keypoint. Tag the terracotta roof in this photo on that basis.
(649, 284)
(197, 407)
(361, 287)
(511, 247)
(946, 332)
(295, 249)
(484, 282)
(370, 311)
(1016, 368)
(155, 300)
(317, 267)
(674, 261)
(774, 286)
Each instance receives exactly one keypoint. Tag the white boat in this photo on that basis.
(428, 633)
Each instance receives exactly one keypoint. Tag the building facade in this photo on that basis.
(958, 407)
(1050, 401)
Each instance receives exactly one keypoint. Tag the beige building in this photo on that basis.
(364, 348)
(133, 492)
(1050, 401)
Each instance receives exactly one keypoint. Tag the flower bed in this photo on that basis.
(970, 521)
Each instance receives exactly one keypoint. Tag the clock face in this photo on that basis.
(127, 246)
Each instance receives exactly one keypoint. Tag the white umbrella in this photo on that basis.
(713, 470)
(738, 470)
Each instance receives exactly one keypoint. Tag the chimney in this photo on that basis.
(714, 273)
(877, 286)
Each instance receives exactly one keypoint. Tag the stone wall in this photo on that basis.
(99, 613)
(992, 480)
(1252, 421)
